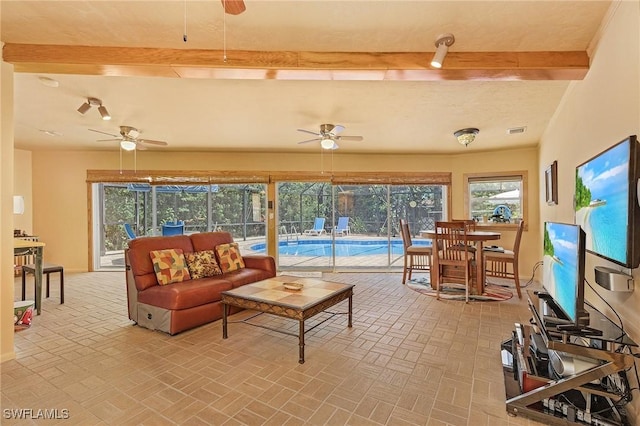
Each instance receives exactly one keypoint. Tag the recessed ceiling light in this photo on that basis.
(49, 82)
(51, 132)
(516, 130)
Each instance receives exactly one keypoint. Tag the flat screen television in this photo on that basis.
(606, 203)
(563, 272)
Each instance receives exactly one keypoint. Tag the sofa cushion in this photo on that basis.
(169, 266)
(209, 240)
(243, 276)
(229, 257)
(186, 294)
(202, 264)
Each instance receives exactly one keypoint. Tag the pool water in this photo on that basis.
(343, 247)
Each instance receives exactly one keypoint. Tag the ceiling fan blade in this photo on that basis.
(108, 140)
(310, 132)
(104, 133)
(233, 7)
(338, 128)
(140, 147)
(311, 140)
(350, 138)
(152, 142)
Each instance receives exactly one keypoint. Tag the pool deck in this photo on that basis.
(115, 260)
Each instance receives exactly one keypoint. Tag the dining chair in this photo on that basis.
(496, 262)
(470, 224)
(453, 258)
(415, 257)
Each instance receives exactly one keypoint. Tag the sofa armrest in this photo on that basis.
(266, 263)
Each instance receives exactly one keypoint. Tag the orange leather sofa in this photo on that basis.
(181, 306)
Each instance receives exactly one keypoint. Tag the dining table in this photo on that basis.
(478, 238)
(25, 247)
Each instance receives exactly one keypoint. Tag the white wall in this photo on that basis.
(595, 114)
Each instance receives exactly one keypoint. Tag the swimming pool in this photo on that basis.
(343, 247)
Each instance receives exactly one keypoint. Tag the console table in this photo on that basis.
(531, 390)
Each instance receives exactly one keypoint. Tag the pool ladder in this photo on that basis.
(289, 235)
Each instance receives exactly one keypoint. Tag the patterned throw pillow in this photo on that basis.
(202, 264)
(169, 266)
(229, 257)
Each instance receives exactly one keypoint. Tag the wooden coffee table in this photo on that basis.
(272, 297)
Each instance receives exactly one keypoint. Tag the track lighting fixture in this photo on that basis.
(104, 113)
(442, 44)
(466, 136)
(94, 102)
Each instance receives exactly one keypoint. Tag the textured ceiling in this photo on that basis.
(263, 115)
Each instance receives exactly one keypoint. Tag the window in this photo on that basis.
(496, 198)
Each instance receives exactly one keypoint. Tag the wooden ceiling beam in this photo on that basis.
(243, 64)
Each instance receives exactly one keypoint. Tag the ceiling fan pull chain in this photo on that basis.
(224, 32)
(184, 36)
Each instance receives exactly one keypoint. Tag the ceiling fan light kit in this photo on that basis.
(443, 42)
(328, 143)
(127, 145)
(466, 136)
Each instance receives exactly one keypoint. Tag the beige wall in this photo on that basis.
(22, 178)
(594, 115)
(6, 213)
(60, 191)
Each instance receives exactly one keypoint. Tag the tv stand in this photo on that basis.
(534, 389)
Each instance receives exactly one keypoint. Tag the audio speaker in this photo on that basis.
(613, 280)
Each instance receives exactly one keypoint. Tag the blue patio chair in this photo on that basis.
(129, 230)
(172, 229)
(342, 228)
(318, 227)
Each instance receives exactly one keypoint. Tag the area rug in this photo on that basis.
(456, 291)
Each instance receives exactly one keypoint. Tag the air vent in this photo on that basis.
(516, 130)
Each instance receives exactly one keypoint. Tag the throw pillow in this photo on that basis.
(169, 266)
(229, 257)
(202, 264)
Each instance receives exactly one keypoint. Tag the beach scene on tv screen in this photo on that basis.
(602, 202)
(560, 265)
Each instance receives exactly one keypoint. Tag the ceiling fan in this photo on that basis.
(329, 136)
(129, 139)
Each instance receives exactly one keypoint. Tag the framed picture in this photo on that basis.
(551, 183)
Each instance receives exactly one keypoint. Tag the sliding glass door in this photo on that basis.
(319, 226)
(236, 208)
(359, 223)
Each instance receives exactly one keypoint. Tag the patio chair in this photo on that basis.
(415, 257)
(318, 227)
(342, 227)
(172, 229)
(129, 230)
